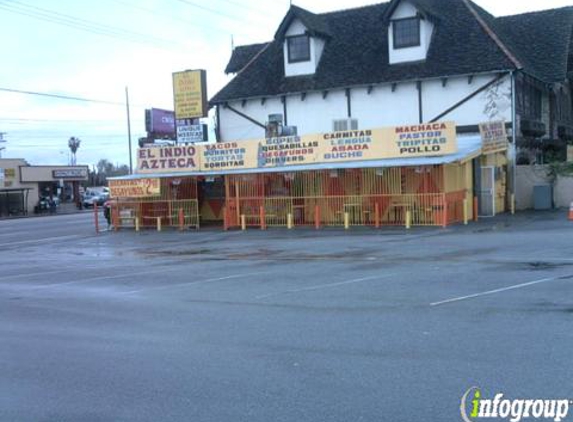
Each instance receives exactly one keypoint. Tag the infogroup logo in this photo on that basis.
(474, 407)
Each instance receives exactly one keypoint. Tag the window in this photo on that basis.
(563, 106)
(298, 48)
(532, 102)
(406, 32)
(344, 124)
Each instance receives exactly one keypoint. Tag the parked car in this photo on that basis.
(103, 196)
(93, 198)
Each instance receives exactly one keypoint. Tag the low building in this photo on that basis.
(410, 112)
(22, 185)
(406, 62)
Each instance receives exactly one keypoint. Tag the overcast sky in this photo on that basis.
(94, 49)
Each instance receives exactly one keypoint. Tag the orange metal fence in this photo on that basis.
(155, 214)
(386, 196)
(413, 196)
(433, 209)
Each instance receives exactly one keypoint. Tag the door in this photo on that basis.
(487, 192)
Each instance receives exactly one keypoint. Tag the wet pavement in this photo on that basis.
(365, 325)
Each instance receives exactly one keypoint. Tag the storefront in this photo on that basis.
(62, 182)
(413, 175)
(23, 185)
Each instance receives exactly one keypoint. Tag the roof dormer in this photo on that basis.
(409, 33)
(304, 36)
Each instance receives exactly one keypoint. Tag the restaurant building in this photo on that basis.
(372, 116)
(405, 175)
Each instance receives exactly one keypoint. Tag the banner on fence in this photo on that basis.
(138, 188)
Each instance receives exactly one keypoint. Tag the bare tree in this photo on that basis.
(106, 169)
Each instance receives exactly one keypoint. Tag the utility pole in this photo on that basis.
(2, 140)
(128, 130)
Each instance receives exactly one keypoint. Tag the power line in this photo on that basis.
(83, 24)
(12, 120)
(64, 97)
(85, 147)
(30, 136)
(213, 28)
(208, 9)
(257, 10)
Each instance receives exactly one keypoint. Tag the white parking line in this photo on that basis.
(43, 273)
(47, 239)
(100, 278)
(503, 289)
(325, 286)
(191, 283)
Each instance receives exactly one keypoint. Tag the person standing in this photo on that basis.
(107, 213)
(52, 204)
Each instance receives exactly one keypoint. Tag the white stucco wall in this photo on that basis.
(563, 192)
(530, 176)
(382, 107)
(315, 114)
(295, 28)
(404, 10)
(409, 54)
(316, 48)
(437, 98)
(235, 127)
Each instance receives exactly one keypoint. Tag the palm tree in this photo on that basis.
(74, 144)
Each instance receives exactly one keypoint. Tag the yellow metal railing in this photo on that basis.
(155, 214)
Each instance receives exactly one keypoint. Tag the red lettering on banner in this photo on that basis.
(421, 128)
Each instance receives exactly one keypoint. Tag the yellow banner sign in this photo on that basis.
(423, 140)
(494, 137)
(190, 94)
(226, 156)
(396, 142)
(134, 188)
(168, 159)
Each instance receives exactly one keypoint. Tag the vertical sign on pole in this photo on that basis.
(190, 101)
(128, 131)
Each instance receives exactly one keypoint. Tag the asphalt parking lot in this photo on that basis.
(364, 325)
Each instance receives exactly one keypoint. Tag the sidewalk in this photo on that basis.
(62, 209)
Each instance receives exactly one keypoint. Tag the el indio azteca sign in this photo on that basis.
(423, 140)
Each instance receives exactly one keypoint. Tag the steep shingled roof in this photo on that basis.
(242, 55)
(541, 40)
(316, 25)
(357, 52)
(426, 8)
